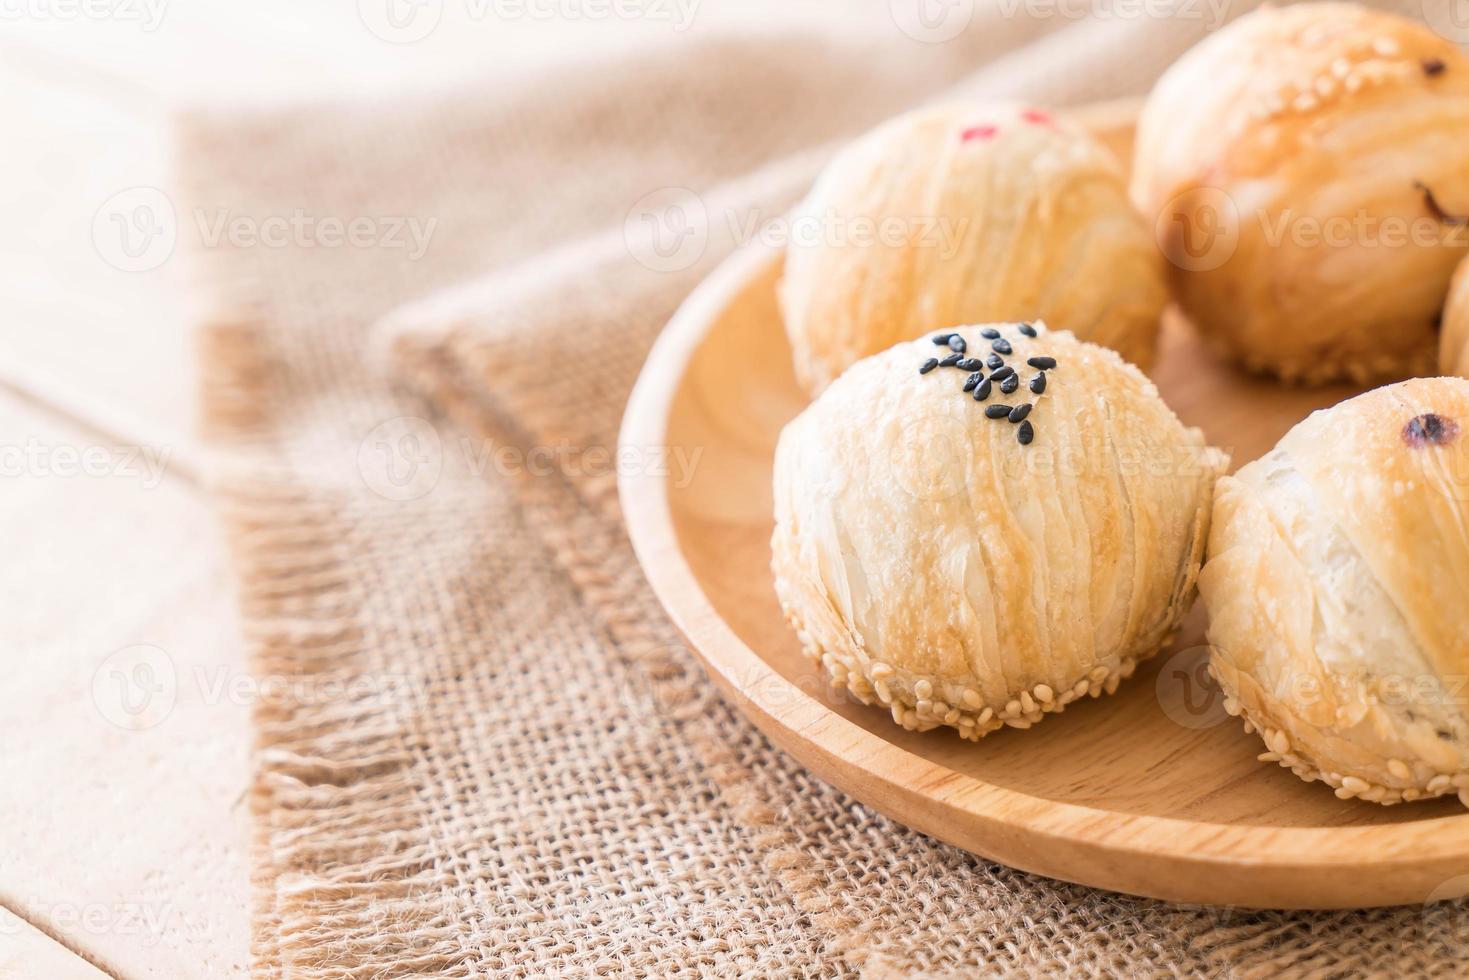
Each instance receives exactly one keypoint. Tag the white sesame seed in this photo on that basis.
(1440, 784)
(881, 671)
(1355, 784)
(1279, 742)
(971, 698)
(1464, 796)
(986, 715)
(1044, 694)
(923, 689)
(1385, 46)
(1027, 703)
(1399, 769)
(1012, 709)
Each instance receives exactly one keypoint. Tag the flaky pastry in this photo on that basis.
(1302, 167)
(982, 526)
(1337, 569)
(1453, 347)
(963, 214)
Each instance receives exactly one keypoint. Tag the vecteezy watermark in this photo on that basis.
(401, 459)
(1445, 920)
(1448, 18)
(1186, 691)
(223, 685)
(1212, 12)
(145, 922)
(135, 687)
(47, 460)
(301, 229)
(667, 230)
(1201, 229)
(147, 14)
(136, 230)
(941, 233)
(410, 21)
(932, 21)
(676, 464)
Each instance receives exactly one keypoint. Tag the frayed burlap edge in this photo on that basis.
(319, 767)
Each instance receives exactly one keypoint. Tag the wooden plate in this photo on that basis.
(1153, 791)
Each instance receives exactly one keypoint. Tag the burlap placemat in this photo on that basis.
(495, 756)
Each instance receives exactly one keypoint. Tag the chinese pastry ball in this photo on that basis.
(964, 214)
(936, 563)
(1453, 350)
(1298, 164)
(1338, 566)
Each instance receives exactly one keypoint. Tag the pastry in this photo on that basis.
(1335, 582)
(1305, 169)
(1453, 348)
(980, 526)
(962, 214)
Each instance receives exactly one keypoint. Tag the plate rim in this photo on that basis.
(825, 741)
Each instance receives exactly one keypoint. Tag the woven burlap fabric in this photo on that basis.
(499, 758)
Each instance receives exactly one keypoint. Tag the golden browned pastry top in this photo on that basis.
(961, 214)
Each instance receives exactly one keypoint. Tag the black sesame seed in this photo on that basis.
(1002, 373)
(1019, 412)
(1002, 346)
(989, 333)
(1433, 66)
(929, 365)
(1027, 329)
(1008, 386)
(942, 340)
(995, 361)
(1044, 363)
(956, 344)
(982, 390)
(972, 380)
(950, 361)
(1038, 383)
(1026, 433)
(997, 411)
(969, 364)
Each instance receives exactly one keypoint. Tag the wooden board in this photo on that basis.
(1154, 791)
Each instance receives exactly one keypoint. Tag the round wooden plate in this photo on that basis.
(1153, 791)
